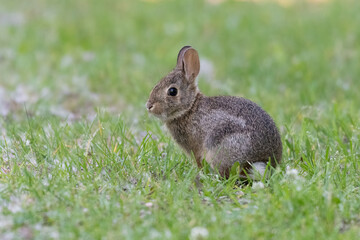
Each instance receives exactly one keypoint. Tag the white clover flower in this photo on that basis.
(198, 233)
(293, 176)
(292, 172)
(258, 185)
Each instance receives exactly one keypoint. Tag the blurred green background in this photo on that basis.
(81, 159)
(70, 57)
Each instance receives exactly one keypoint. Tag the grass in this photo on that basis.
(81, 159)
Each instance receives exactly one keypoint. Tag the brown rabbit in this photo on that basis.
(222, 130)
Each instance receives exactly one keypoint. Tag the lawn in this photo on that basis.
(80, 158)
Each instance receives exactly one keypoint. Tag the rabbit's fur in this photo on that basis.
(222, 130)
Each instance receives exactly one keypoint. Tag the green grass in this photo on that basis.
(81, 159)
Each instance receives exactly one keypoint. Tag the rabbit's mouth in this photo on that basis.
(149, 106)
(164, 114)
(155, 110)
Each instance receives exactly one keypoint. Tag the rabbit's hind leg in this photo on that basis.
(232, 148)
(219, 161)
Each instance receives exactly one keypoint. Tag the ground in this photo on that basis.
(81, 159)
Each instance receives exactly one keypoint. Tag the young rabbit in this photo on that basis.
(222, 130)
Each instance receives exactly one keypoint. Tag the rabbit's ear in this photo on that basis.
(188, 61)
(180, 56)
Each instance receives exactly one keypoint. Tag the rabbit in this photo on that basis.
(222, 130)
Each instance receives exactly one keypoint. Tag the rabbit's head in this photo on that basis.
(175, 94)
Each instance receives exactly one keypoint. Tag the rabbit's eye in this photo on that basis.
(172, 91)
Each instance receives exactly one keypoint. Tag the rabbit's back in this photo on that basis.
(240, 127)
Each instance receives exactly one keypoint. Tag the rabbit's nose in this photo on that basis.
(149, 106)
